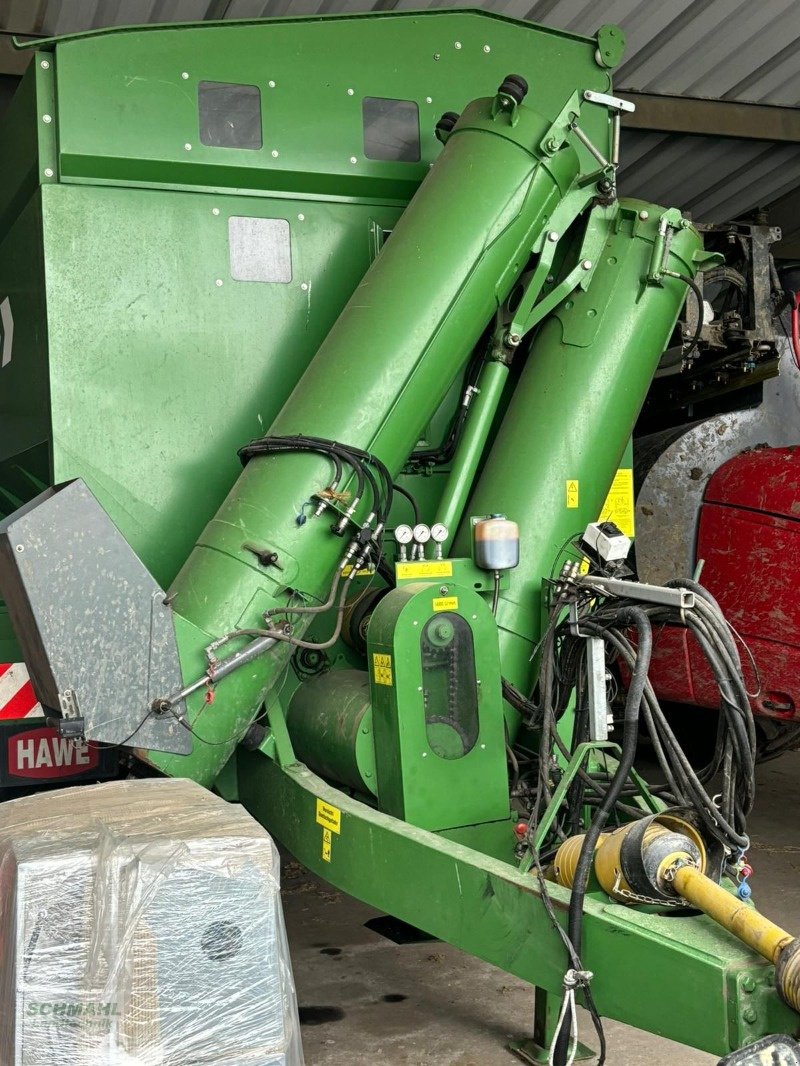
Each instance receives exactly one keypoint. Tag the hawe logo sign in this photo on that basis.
(41, 754)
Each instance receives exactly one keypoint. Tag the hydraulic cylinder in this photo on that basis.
(378, 378)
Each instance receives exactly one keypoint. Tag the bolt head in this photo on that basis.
(748, 983)
(514, 338)
(45, 65)
(487, 48)
(457, 45)
(350, 92)
(274, 153)
(749, 1015)
(644, 215)
(552, 236)
(218, 283)
(271, 84)
(443, 590)
(48, 172)
(301, 218)
(304, 286)
(552, 144)
(428, 99)
(188, 147)
(185, 75)
(47, 118)
(353, 159)
(214, 210)
(20, 547)
(436, 57)
(586, 264)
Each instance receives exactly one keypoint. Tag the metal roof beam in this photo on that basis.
(715, 118)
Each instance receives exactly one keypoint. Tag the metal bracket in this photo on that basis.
(613, 103)
(528, 312)
(560, 128)
(680, 599)
(599, 711)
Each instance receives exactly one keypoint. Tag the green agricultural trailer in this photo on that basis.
(323, 345)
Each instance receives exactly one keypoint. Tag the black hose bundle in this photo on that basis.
(367, 543)
(624, 617)
(360, 463)
(721, 792)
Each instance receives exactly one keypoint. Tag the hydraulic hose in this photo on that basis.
(628, 616)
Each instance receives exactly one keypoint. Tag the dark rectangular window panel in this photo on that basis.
(391, 129)
(230, 115)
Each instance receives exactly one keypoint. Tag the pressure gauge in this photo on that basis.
(422, 533)
(439, 532)
(403, 534)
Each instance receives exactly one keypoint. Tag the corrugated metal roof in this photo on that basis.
(721, 49)
(714, 179)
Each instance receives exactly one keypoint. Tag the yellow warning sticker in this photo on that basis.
(382, 669)
(618, 507)
(434, 568)
(329, 817)
(368, 572)
(445, 603)
(573, 486)
(326, 845)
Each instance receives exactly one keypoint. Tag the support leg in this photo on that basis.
(536, 1051)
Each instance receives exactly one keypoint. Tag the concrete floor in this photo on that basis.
(366, 1000)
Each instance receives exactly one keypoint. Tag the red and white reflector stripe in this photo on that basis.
(17, 698)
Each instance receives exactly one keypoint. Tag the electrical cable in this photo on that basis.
(700, 307)
(496, 592)
(447, 449)
(572, 954)
(795, 328)
(405, 493)
(627, 616)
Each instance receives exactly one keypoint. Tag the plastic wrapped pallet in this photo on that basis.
(141, 925)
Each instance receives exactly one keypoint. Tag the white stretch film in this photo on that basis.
(141, 925)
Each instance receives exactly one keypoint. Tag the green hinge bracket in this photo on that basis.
(529, 313)
(669, 223)
(610, 46)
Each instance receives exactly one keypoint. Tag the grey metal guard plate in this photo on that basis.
(260, 249)
(91, 620)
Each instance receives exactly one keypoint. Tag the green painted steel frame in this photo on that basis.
(121, 284)
(683, 978)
